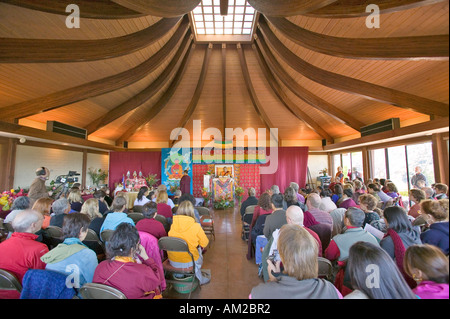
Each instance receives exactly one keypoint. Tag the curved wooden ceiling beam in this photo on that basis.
(287, 102)
(144, 95)
(55, 51)
(98, 9)
(352, 9)
(198, 91)
(351, 85)
(286, 8)
(303, 93)
(253, 96)
(160, 8)
(434, 47)
(161, 103)
(97, 87)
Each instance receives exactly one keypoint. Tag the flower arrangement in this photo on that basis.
(7, 198)
(224, 202)
(324, 171)
(151, 180)
(206, 196)
(239, 192)
(97, 175)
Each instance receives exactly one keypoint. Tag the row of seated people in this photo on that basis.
(340, 228)
(134, 261)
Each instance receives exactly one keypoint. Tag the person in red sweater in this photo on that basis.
(149, 224)
(128, 267)
(21, 251)
(163, 207)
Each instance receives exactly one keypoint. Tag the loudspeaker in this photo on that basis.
(58, 127)
(125, 144)
(383, 126)
(324, 142)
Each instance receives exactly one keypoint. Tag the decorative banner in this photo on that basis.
(173, 164)
(225, 153)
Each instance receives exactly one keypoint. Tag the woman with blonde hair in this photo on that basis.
(162, 206)
(43, 205)
(91, 209)
(75, 200)
(435, 212)
(299, 279)
(185, 227)
(428, 266)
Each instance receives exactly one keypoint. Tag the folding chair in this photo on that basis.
(100, 291)
(9, 284)
(246, 221)
(106, 235)
(174, 244)
(136, 216)
(325, 269)
(53, 236)
(93, 242)
(206, 221)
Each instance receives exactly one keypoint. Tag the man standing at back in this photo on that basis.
(37, 188)
(418, 176)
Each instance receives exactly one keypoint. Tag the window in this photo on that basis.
(239, 21)
(378, 163)
(420, 155)
(397, 169)
(357, 165)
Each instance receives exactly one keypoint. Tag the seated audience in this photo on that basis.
(20, 203)
(338, 216)
(164, 209)
(338, 191)
(250, 201)
(440, 191)
(117, 216)
(392, 190)
(141, 198)
(277, 218)
(263, 207)
(185, 227)
(60, 207)
(347, 199)
(436, 215)
(176, 197)
(191, 198)
(340, 244)
(416, 196)
(128, 267)
(428, 266)
(21, 251)
(163, 187)
(359, 190)
(374, 275)
(429, 192)
(375, 190)
(290, 197)
(300, 197)
(72, 256)
(313, 202)
(299, 278)
(400, 235)
(149, 224)
(43, 205)
(91, 208)
(103, 206)
(368, 203)
(75, 200)
(327, 204)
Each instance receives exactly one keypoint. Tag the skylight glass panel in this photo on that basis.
(238, 21)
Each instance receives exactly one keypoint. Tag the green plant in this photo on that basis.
(151, 179)
(223, 202)
(97, 175)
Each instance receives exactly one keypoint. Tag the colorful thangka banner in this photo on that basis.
(225, 153)
(173, 163)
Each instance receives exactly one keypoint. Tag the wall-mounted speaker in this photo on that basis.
(125, 144)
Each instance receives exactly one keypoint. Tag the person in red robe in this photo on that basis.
(185, 183)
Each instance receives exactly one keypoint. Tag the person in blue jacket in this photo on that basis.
(435, 212)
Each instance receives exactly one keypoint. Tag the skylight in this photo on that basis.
(208, 21)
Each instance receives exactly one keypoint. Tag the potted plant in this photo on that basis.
(97, 175)
(151, 180)
(239, 192)
(206, 196)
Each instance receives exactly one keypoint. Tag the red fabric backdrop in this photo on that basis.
(292, 167)
(121, 162)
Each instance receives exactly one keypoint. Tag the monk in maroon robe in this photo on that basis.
(185, 183)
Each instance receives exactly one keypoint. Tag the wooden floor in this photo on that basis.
(232, 275)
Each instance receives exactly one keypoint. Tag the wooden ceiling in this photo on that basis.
(134, 72)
